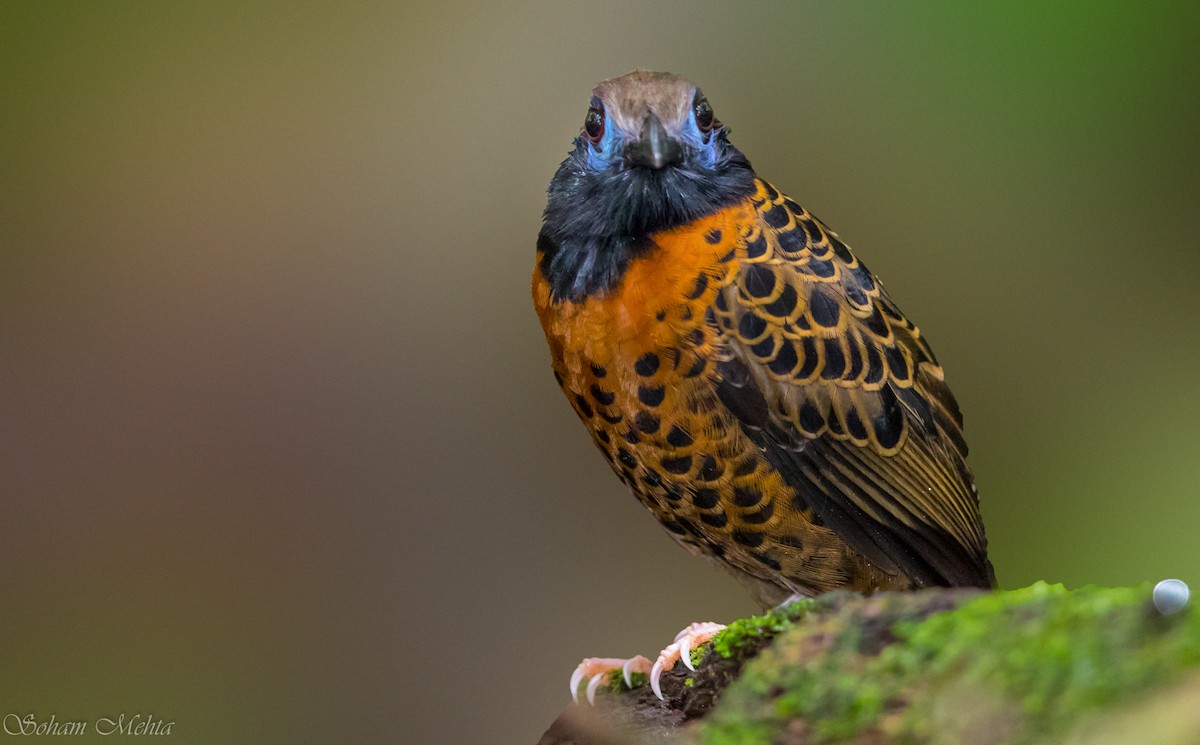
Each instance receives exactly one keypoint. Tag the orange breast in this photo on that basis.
(660, 299)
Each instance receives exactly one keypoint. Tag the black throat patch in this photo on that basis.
(597, 221)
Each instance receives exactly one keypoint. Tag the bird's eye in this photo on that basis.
(704, 115)
(593, 124)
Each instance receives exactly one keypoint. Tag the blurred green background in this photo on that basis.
(281, 456)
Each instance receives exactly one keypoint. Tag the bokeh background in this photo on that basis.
(281, 457)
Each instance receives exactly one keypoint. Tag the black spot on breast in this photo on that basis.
(721, 303)
(674, 527)
(698, 286)
(660, 315)
(800, 504)
(749, 538)
(646, 365)
(651, 396)
(715, 549)
(680, 465)
(696, 368)
(746, 496)
(761, 516)
(785, 361)
(713, 236)
(603, 397)
(672, 492)
(728, 257)
(751, 327)
(705, 499)
(678, 438)
(824, 309)
(646, 422)
(835, 361)
(694, 338)
(710, 470)
(610, 418)
(746, 467)
(686, 313)
(756, 247)
(626, 458)
(715, 519)
(631, 437)
(768, 561)
(599, 371)
(652, 479)
(759, 281)
(811, 420)
(584, 407)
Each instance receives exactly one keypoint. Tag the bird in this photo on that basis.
(745, 375)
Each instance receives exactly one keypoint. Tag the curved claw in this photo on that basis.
(597, 669)
(632, 665)
(575, 678)
(592, 668)
(681, 648)
(655, 675)
(685, 652)
(593, 684)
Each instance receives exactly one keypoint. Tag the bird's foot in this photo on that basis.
(599, 670)
(681, 649)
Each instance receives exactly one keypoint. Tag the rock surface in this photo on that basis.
(1038, 665)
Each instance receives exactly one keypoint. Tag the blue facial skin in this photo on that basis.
(700, 148)
(602, 210)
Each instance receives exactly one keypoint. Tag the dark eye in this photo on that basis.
(593, 124)
(704, 115)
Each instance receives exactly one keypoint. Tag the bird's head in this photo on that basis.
(651, 155)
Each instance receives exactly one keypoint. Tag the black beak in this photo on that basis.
(655, 149)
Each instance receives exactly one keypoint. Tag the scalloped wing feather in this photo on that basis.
(847, 399)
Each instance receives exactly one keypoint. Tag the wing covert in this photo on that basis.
(847, 400)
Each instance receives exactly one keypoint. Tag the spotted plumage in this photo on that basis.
(744, 374)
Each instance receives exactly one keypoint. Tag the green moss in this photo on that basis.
(754, 630)
(1037, 657)
(615, 682)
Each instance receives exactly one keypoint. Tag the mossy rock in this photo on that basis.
(1042, 665)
